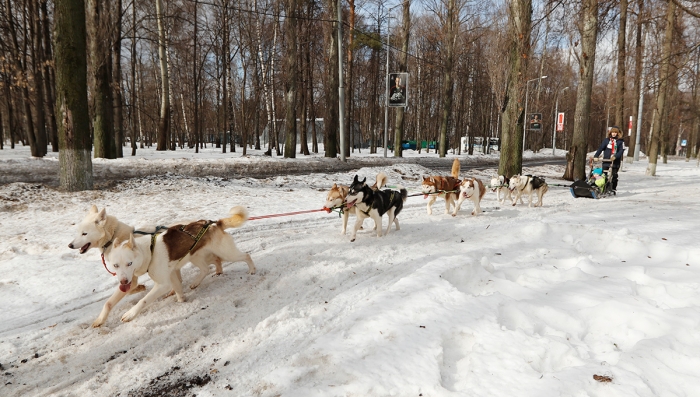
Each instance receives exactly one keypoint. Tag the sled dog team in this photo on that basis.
(162, 253)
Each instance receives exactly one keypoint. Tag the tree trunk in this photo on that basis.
(589, 35)
(37, 60)
(292, 74)
(638, 56)
(100, 87)
(511, 159)
(621, 57)
(117, 82)
(21, 80)
(49, 78)
(164, 119)
(75, 165)
(664, 73)
(134, 87)
(447, 83)
(330, 122)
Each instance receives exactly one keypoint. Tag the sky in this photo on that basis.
(517, 301)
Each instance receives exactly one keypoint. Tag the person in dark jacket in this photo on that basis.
(612, 147)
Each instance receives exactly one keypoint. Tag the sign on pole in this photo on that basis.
(535, 121)
(399, 89)
(629, 127)
(560, 122)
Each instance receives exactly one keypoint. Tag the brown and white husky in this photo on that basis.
(163, 255)
(442, 186)
(471, 189)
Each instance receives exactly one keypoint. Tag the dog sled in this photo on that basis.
(598, 184)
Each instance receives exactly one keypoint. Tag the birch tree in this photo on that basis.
(164, 119)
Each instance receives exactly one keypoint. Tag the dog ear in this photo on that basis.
(130, 243)
(335, 186)
(356, 179)
(93, 209)
(101, 217)
(364, 180)
(116, 242)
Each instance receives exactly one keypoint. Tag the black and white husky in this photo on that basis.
(375, 204)
(528, 184)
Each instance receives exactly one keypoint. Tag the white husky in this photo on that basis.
(163, 255)
(98, 230)
(500, 185)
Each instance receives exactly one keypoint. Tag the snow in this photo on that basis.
(515, 302)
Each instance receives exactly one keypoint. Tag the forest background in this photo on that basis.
(265, 74)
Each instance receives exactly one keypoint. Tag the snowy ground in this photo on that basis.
(517, 302)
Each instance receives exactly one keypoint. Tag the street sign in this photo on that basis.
(560, 122)
(535, 121)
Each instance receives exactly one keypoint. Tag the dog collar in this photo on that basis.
(104, 247)
(105, 265)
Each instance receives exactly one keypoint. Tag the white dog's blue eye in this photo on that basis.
(115, 266)
(129, 264)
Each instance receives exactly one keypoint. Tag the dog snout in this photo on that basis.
(124, 281)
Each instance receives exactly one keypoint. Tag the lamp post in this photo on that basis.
(527, 86)
(556, 115)
(386, 79)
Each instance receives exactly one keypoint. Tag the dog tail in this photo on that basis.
(404, 193)
(237, 217)
(455, 169)
(381, 180)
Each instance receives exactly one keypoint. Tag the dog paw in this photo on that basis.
(193, 286)
(97, 324)
(130, 315)
(181, 298)
(171, 293)
(454, 215)
(352, 240)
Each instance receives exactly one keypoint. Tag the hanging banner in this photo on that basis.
(560, 122)
(398, 83)
(535, 121)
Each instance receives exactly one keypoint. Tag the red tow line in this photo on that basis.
(254, 218)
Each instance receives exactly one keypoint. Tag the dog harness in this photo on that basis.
(199, 235)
